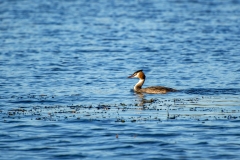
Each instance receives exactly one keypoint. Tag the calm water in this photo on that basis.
(64, 91)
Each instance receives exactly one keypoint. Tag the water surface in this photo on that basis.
(64, 87)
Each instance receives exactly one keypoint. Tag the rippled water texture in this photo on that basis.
(64, 87)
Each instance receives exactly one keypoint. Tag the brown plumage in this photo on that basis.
(154, 90)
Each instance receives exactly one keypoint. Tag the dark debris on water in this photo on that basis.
(145, 110)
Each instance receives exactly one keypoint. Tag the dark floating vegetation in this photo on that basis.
(200, 108)
(212, 91)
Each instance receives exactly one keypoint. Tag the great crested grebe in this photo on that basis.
(154, 90)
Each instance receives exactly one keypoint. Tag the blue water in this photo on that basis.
(64, 87)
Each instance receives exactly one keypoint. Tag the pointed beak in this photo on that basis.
(131, 76)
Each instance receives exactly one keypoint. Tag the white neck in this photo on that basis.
(139, 84)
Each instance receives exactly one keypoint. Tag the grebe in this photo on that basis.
(154, 90)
